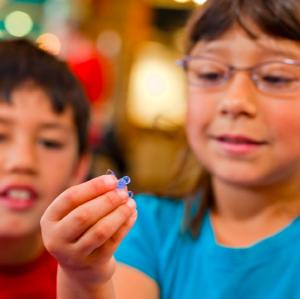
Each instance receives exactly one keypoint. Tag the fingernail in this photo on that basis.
(131, 203)
(110, 172)
(125, 180)
(134, 215)
(110, 180)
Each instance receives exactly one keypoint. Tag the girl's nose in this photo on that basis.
(239, 97)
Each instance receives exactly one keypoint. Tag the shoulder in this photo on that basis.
(157, 225)
(156, 203)
(159, 209)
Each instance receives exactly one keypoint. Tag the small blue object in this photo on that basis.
(130, 194)
(125, 180)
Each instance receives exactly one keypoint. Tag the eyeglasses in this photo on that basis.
(272, 77)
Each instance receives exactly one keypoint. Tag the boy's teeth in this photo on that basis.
(19, 194)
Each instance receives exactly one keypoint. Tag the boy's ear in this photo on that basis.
(81, 170)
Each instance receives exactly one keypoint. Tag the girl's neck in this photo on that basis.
(17, 251)
(242, 216)
(242, 203)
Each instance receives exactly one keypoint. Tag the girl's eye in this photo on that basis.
(51, 144)
(210, 76)
(206, 78)
(277, 79)
(203, 72)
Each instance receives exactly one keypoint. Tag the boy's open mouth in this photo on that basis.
(18, 197)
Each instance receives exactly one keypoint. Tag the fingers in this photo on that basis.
(107, 250)
(108, 229)
(98, 244)
(85, 224)
(79, 194)
(78, 221)
(113, 243)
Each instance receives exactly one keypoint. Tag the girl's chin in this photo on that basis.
(238, 182)
(242, 176)
(247, 180)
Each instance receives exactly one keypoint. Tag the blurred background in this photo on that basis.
(124, 53)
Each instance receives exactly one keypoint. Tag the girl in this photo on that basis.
(239, 235)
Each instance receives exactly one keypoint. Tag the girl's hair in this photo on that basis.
(23, 62)
(276, 18)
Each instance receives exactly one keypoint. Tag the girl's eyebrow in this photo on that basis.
(266, 46)
(276, 48)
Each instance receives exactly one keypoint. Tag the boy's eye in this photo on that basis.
(51, 144)
(3, 137)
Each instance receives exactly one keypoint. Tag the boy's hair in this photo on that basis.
(23, 62)
(276, 18)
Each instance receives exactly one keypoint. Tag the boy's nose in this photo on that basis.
(21, 158)
(239, 98)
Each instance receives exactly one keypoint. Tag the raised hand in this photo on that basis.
(85, 224)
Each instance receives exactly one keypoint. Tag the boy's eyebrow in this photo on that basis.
(55, 126)
(5, 120)
(45, 125)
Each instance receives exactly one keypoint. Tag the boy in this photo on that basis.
(43, 150)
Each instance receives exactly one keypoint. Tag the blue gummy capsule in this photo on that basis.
(130, 194)
(125, 180)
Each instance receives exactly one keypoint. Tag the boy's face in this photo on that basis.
(241, 134)
(38, 159)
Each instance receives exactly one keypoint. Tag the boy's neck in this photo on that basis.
(18, 251)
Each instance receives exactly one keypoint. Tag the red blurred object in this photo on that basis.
(94, 71)
(33, 280)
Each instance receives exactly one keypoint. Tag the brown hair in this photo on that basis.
(23, 61)
(277, 18)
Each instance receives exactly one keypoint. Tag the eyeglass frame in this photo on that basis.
(232, 69)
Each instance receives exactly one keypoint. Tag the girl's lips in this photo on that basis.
(238, 139)
(18, 197)
(238, 144)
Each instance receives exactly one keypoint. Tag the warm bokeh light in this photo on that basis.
(200, 2)
(2, 3)
(182, 1)
(156, 89)
(109, 43)
(49, 42)
(18, 23)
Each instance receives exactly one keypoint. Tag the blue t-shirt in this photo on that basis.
(187, 268)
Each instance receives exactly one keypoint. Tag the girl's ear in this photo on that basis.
(81, 169)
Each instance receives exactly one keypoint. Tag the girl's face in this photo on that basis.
(242, 135)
